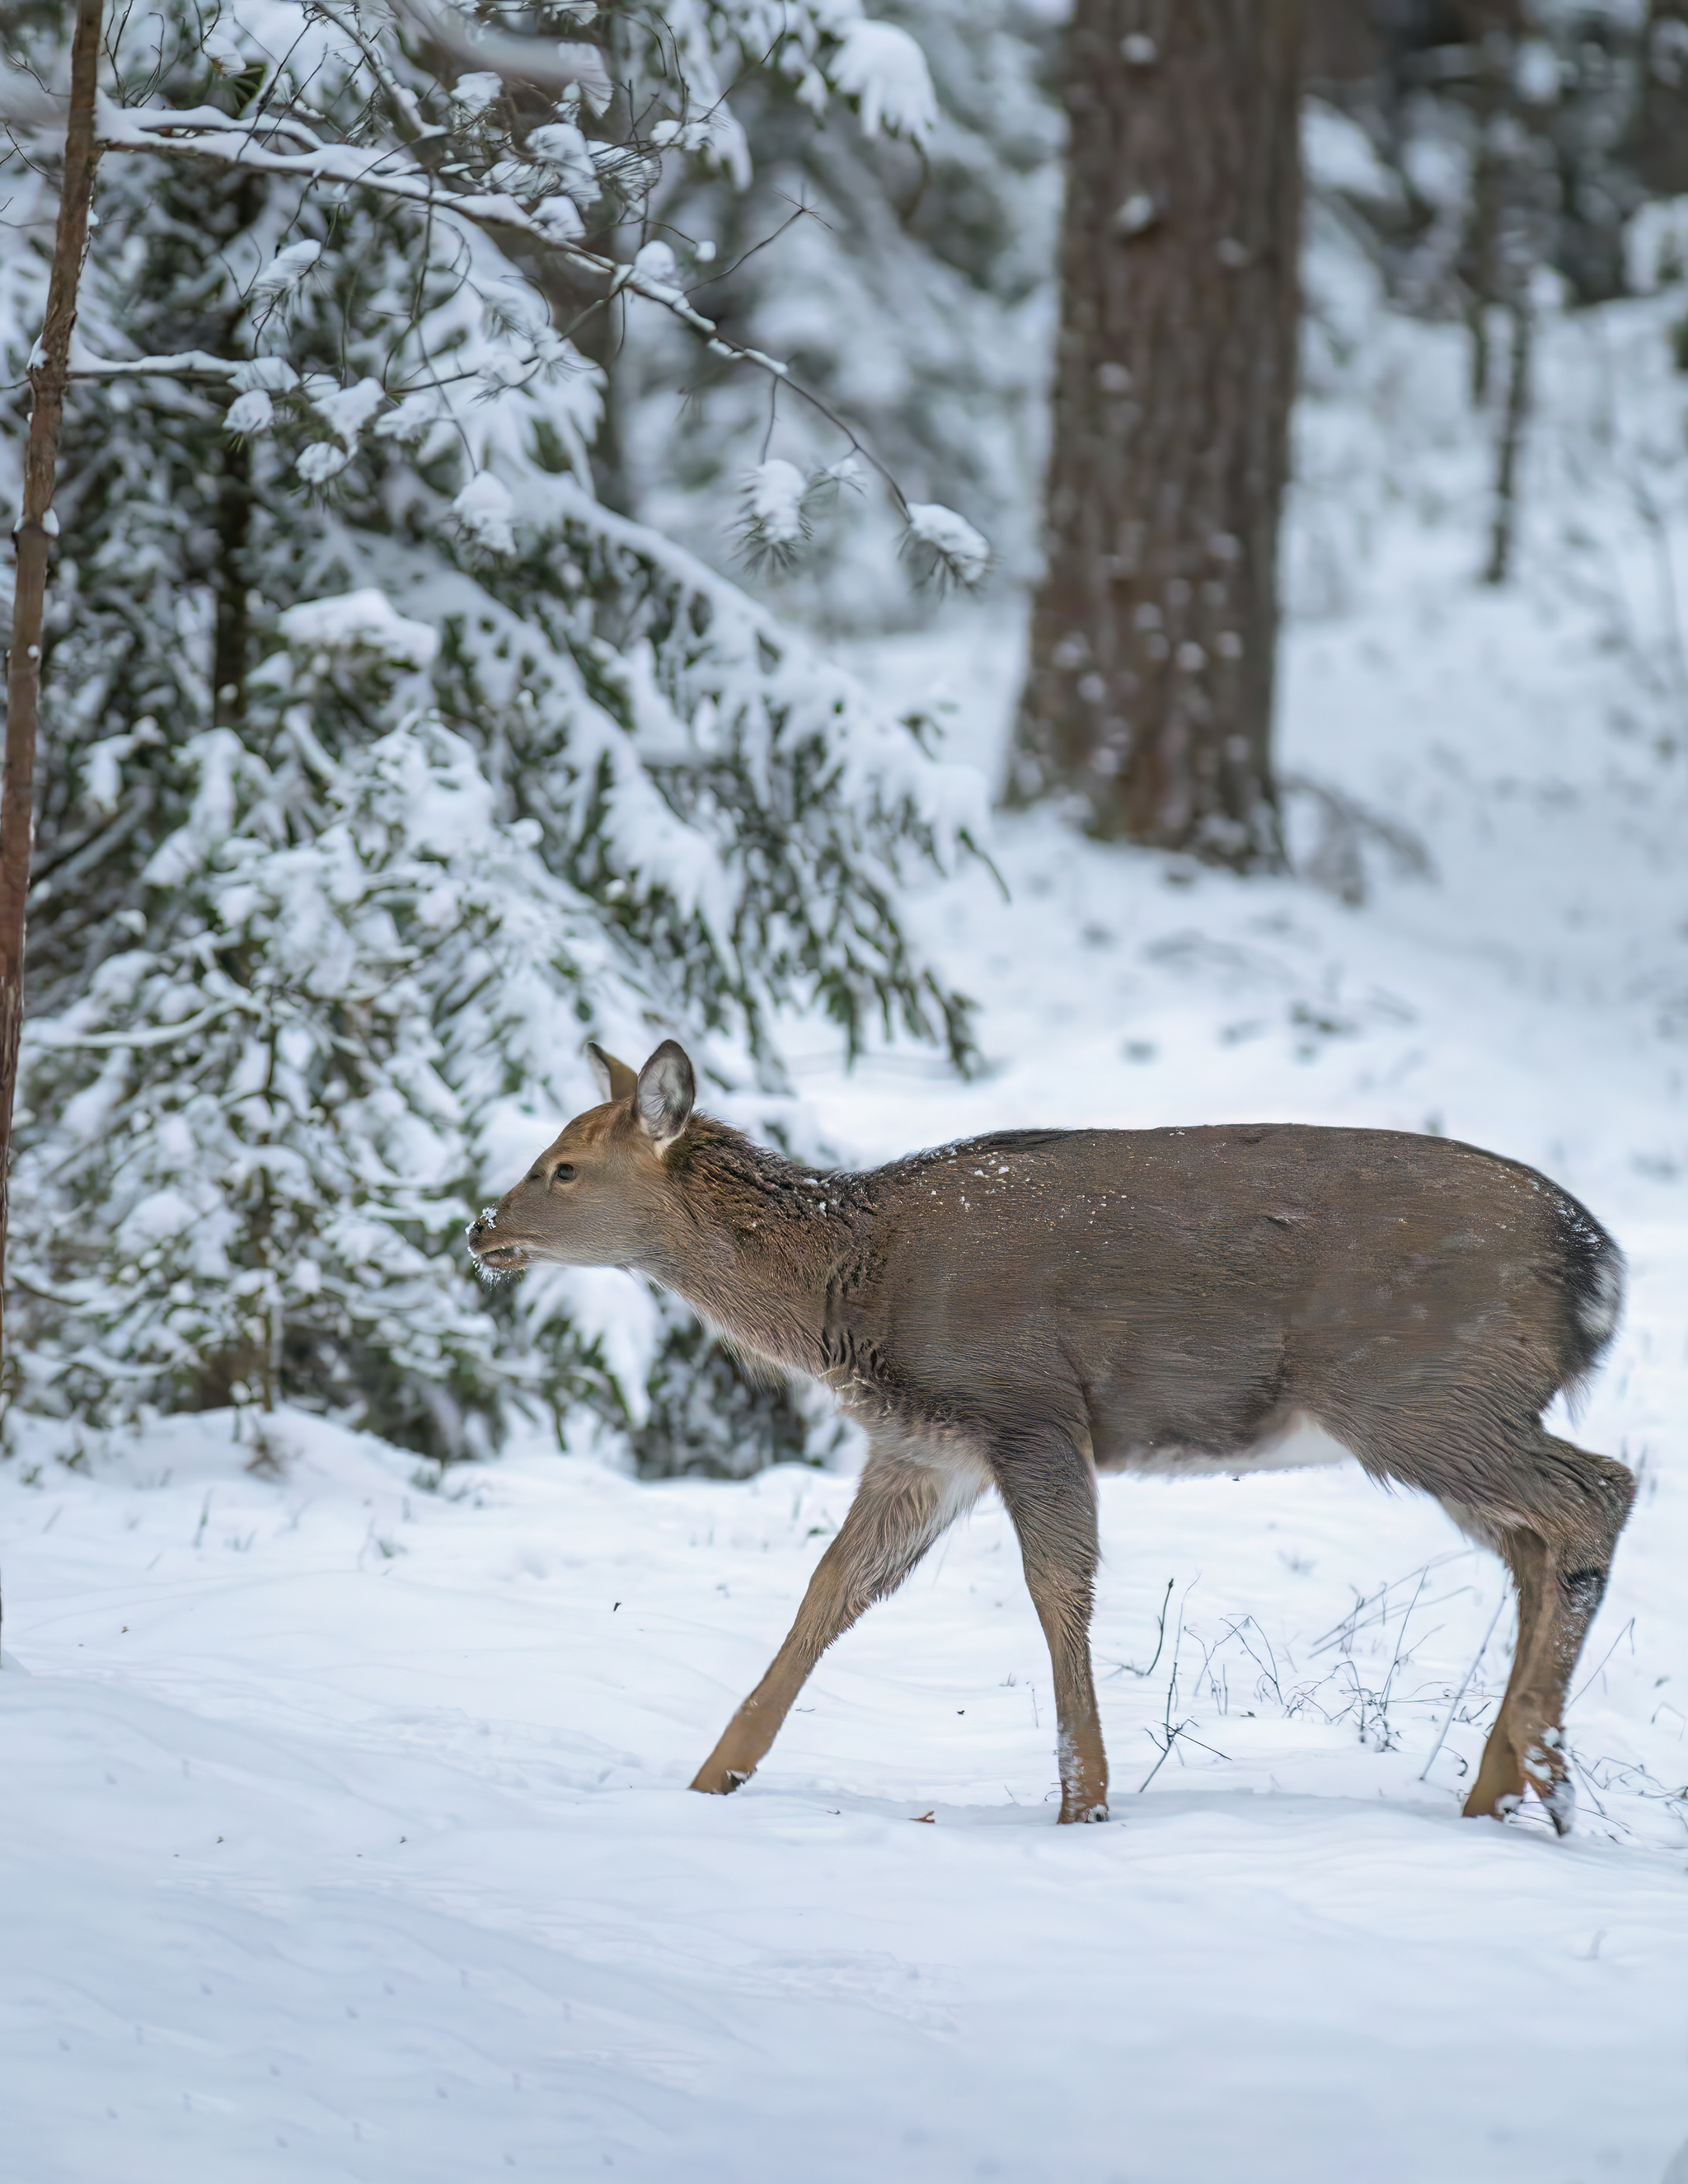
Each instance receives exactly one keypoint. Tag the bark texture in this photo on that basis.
(34, 539)
(1154, 640)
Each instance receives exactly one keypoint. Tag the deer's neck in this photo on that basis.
(752, 1242)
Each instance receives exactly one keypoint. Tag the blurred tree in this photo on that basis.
(1150, 686)
(1511, 138)
(1566, 115)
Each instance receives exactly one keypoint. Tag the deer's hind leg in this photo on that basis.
(1559, 1556)
(1553, 1512)
(907, 1497)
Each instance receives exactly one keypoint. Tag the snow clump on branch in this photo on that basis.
(286, 269)
(944, 546)
(486, 511)
(362, 621)
(881, 68)
(774, 524)
(779, 505)
(250, 413)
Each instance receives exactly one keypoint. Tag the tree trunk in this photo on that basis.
(48, 368)
(231, 627)
(1153, 646)
(1503, 525)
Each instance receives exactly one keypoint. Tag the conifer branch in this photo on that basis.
(205, 133)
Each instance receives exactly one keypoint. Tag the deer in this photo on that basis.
(1028, 1308)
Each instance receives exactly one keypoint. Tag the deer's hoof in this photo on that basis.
(722, 1781)
(1501, 1806)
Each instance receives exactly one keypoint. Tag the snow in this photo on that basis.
(268, 374)
(478, 90)
(560, 219)
(356, 1843)
(773, 494)
(958, 547)
(286, 268)
(882, 67)
(322, 461)
(362, 620)
(563, 146)
(254, 412)
(349, 409)
(656, 266)
(485, 510)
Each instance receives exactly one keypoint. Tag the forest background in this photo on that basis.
(410, 717)
(450, 660)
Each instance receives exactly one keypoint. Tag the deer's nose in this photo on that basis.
(478, 1233)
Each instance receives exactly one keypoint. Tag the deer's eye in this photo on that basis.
(563, 1171)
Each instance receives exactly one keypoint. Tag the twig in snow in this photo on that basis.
(1129, 1668)
(1627, 1632)
(1171, 1734)
(1453, 1710)
(1271, 1673)
(1182, 1731)
(1589, 1784)
(1349, 1627)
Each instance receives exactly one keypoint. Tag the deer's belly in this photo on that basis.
(1296, 1445)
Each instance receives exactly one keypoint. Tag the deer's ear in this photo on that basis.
(666, 1089)
(614, 1079)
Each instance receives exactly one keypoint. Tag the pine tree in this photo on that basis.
(386, 765)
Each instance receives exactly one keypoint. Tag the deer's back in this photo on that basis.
(1196, 1289)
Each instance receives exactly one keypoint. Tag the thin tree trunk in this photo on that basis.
(1504, 528)
(1483, 266)
(231, 629)
(1155, 634)
(35, 533)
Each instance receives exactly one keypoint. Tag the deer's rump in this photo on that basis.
(1188, 1294)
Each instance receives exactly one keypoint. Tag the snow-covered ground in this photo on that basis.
(345, 1831)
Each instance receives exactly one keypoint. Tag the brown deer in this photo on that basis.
(1025, 1309)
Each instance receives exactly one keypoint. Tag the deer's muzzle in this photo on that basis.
(485, 1245)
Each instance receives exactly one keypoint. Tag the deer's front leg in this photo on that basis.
(902, 1503)
(1050, 1491)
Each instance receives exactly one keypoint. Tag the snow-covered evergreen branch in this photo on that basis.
(392, 764)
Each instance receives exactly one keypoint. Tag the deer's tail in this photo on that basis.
(1593, 1274)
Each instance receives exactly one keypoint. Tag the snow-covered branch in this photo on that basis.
(551, 226)
(553, 64)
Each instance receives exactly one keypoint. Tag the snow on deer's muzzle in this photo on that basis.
(491, 1253)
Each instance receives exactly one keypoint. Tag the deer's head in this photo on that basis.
(597, 1197)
